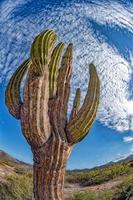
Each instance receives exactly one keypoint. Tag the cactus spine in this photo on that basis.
(43, 111)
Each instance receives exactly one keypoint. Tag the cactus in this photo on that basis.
(43, 111)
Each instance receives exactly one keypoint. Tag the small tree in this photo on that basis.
(43, 112)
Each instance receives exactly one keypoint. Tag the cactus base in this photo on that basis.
(49, 169)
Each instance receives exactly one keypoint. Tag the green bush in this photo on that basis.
(17, 187)
(84, 195)
(98, 176)
(124, 190)
(103, 195)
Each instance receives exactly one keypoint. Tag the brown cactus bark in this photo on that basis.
(49, 169)
(43, 111)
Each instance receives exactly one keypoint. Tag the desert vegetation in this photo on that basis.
(18, 185)
(99, 176)
(123, 191)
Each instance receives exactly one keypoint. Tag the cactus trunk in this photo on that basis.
(49, 169)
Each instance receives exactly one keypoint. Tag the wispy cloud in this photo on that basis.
(131, 150)
(128, 139)
(72, 24)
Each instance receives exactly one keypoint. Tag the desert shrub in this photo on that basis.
(16, 187)
(124, 190)
(98, 176)
(20, 170)
(82, 196)
(103, 195)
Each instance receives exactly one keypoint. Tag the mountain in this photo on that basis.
(125, 160)
(8, 159)
(128, 159)
(10, 165)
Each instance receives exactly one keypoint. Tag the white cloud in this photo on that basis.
(128, 139)
(131, 150)
(73, 25)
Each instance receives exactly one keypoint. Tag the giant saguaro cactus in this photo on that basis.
(43, 111)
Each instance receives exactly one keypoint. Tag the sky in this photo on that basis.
(102, 33)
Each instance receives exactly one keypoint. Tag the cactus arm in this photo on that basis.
(76, 104)
(41, 50)
(58, 105)
(12, 93)
(63, 84)
(53, 69)
(34, 113)
(39, 89)
(36, 93)
(79, 126)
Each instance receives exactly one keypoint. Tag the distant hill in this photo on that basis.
(125, 160)
(10, 160)
(10, 165)
(129, 158)
(5, 157)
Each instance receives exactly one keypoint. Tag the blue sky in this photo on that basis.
(102, 33)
